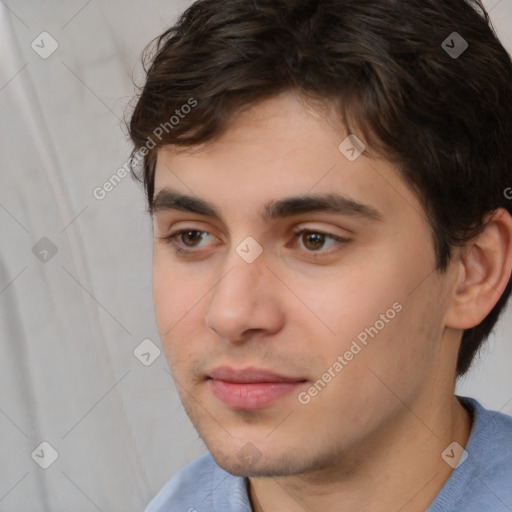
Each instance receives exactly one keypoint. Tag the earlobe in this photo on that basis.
(485, 267)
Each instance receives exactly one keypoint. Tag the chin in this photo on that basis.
(247, 462)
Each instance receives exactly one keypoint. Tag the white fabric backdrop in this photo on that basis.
(70, 321)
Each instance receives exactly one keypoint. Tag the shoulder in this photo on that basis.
(483, 480)
(491, 447)
(489, 444)
(182, 487)
(200, 486)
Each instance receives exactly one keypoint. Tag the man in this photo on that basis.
(332, 244)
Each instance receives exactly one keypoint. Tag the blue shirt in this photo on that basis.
(480, 483)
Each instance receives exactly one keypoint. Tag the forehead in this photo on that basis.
(281, 149)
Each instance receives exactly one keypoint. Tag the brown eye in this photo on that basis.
(313, 241)
(192, 235)
(185, 240)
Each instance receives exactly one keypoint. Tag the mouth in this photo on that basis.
(250, 388)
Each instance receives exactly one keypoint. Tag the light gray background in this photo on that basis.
(69, 326)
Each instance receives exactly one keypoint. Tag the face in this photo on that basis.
(291, 325)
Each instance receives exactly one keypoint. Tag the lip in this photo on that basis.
(250, 375)
(250, 388)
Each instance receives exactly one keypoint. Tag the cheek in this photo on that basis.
(378, 303)
(180, 299)
(352, 297)
(174, 296)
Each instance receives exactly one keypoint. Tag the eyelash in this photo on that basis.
(171, 240)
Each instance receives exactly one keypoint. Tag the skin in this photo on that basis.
(372, 438)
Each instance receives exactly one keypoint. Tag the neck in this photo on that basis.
(362, 479)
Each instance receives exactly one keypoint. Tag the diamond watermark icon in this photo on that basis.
(454, 455)
(352, 148)
(146, 352)
(44, 45)
(249, 454)
(44, 454)
(249, 249)
(454, 45)
(44, 250)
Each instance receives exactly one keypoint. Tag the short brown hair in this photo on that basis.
(445, 120)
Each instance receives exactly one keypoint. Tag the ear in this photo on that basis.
(483, 271)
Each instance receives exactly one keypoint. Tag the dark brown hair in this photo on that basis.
(444, 120)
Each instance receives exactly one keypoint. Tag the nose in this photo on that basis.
(245, 301)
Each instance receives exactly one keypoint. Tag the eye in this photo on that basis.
(185, 237)
(313, 241)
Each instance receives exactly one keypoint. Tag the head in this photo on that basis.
(352, 274)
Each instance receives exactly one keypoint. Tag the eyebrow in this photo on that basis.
(167, 199)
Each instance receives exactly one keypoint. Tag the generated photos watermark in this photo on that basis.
(357, 345)
(111, 183)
